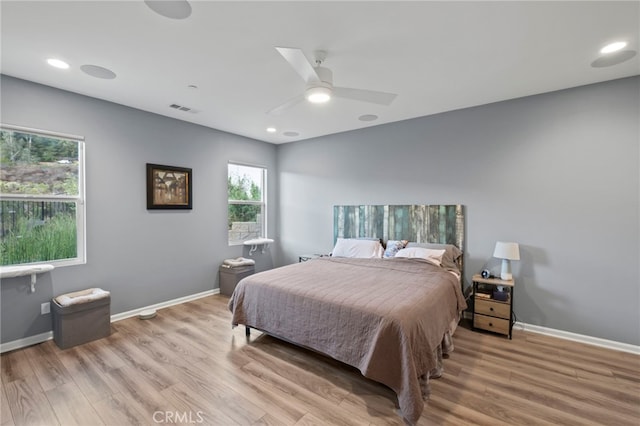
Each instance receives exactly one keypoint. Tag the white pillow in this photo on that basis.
(431, 255)
(352, 247)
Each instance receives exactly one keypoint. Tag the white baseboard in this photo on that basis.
(43, 337)
(179, 300)
(581, 338)
(27, 341)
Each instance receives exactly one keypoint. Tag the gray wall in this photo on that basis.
(143, 257)
(557, 173)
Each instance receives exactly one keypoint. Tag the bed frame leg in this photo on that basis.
(247, 331)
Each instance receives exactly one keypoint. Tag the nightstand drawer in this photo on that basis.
(496, 325)
(494, 309)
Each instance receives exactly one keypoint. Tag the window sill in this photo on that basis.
(264, 242)
(22, 270)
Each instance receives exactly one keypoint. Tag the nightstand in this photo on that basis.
(492, 308)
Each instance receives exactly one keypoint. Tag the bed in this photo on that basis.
(390, 317)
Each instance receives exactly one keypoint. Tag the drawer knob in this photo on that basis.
(490, 324)
(491, 309)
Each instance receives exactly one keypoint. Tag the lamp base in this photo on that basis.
(505, 273)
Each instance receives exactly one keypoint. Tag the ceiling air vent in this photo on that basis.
(183, 108)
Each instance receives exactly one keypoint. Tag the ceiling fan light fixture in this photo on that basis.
(318, 94)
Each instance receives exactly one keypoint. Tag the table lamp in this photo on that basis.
(507, 252)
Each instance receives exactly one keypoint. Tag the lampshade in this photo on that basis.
(509, 251)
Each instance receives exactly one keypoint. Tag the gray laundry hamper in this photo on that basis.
(81, 322)
(230, 277)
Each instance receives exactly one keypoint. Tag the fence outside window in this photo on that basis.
(35, 213)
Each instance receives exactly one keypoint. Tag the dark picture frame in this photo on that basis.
(169, 187)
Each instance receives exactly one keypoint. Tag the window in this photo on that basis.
(41, 197)
(246, 187)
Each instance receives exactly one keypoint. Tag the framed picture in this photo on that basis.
(169, 187)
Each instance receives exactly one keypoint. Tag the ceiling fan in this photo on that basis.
(319, 81)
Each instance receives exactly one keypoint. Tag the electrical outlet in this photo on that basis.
(45, 308)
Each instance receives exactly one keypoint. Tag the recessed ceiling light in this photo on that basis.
(98, 71)
(58, 63)
(192, 87)
(368, 117)
(173, 9)
(271, 129)
(614, 47)
(291, 134)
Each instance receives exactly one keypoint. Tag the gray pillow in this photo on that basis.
(450, 257)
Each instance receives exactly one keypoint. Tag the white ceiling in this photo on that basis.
(437, 56)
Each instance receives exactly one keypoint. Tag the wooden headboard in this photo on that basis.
(435, 223)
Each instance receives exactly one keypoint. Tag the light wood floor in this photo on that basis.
(188, 366)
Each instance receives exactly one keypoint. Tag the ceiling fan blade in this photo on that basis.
(285, 106)
(300, 63)
(371, 96)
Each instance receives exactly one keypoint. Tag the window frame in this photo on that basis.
(262, 203)
(79, 199)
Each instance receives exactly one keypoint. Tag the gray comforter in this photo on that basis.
(386, 317)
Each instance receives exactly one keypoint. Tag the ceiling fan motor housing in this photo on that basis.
(320, 91)
(325, 75)
(318, 94)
